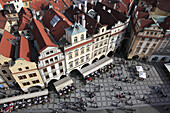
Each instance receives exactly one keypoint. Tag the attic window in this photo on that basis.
(54, 21)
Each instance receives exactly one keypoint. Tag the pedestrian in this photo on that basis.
(143, 98)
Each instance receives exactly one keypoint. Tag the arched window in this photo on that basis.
(75, 39)
(82, 36)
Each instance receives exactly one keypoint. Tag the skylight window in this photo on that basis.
(54, 21)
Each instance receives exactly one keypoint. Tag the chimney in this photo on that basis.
(98, 18)
(80, 6)
(115, 6)
(104, 7)
(74, 6)
(85, 6)
(83, 21)
(109, 11)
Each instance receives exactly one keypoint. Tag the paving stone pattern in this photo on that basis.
(105, 98)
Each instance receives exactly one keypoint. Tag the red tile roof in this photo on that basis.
(59, 29)
(91, 24)
(26, 0)
(41, 36)
(24, 17)
(139, 8)
(164, 5)
(23, 23)
(146, 23)
(2, 3)
(166, 24)
(39, 5)
(24, 49)
(3, 20)
(62, 5)
(6, 48)
(142, 15)
(7, 0)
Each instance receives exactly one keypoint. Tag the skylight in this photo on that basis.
(54, 21)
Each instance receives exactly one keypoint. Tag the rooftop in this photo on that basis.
(9, 9)
(3, 20)
(39, 5)
(7, 45)
(58, 30)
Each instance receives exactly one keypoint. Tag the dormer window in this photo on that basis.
(82, 37)
(75, 39)
(54, 21)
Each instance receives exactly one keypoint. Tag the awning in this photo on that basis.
(25, 96)
(142, 74)
(63, 83)
(95, 66)
(167, 65)
(139, 68)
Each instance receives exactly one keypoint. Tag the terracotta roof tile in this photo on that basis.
(2, 3)
(91, 24)
(166, 24)
(62, 5)
(26, 0)
(39, 5)
(139, 8)
(3, 20)
(146, 23)
(164, 5)
(25, 11)
(40, 35)
(59, 29)
(24, 49)
(6, 48)
(7, 0)
(143, 15)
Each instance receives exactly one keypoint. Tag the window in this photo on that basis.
(88, 49)
(54, 73)
(107, 35)
(102, 30)
(70, 56)
(102, 37)
(19, 69)
(35, 81)
(82, 59)
(4, 72)
(97, 39)
(154, 45)
(156, 33)
(82, 50)
(96, 46)
(82, 37)
(60, 64)
(9, 78)
(32, 75)
(105, 42)
(61, 70)
(17, 6)
(14, 14)
(71, 64)
(22, 77)
(150, 51)
(143, 39)
(54, 21)
(147, 33)
(27, 67)
(26, 3)
(147, 44)
(151, 33)
(144, 50)
(55, 58)
(99, 51)
(101, 44)
(75, 39)
(0, 63)
(6, 63)
(157, 40)
(46, 62)
(87, 57)
(47, 76)
(77, 62)
(51, 60)
(47, 53)
(26, 83)
(45, 70)
(140, 44)
(52, 67)
(137, 49)
(150, 39)
(104, 50)
(76, 53)
(51, 51)
(8, 15)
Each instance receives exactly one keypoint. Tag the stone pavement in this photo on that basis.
(106, 99)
